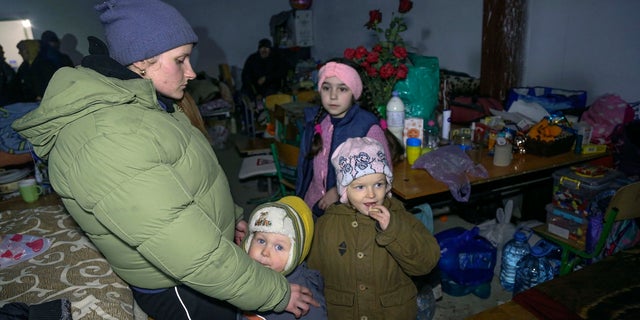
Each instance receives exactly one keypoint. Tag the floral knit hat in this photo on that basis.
(357, 157)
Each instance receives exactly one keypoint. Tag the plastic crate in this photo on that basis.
(574, 188)
(567, 225)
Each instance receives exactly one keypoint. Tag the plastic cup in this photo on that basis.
(29, 190)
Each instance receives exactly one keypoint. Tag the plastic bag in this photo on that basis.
(419, 91)
(466, 257)
(605, 115)
(499, 230)
(552, 99)
(424, 213)
(451, 165)
(17, 247)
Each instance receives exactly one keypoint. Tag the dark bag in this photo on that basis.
(465, 109)
(627, 151)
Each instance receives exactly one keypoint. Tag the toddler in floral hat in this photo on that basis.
(368, 246)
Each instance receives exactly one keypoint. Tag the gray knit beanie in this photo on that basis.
(142, 29)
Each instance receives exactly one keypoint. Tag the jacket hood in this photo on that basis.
(66, 100)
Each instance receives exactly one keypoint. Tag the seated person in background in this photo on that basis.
(368, 246)
(34, 73)
(7, 76)
(264, 72)
(50, 47)
(280, 236)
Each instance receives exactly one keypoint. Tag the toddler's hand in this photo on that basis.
(328, 199)
(381, 214)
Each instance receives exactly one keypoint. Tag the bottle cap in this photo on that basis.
(414, 142)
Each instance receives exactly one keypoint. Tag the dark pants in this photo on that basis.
(181, 303)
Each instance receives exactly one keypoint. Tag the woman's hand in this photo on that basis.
(329, 198)
(381, 214)
(301, 298)
(241, 231)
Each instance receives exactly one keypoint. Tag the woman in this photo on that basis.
(141, 181)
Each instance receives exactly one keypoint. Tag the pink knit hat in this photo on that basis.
(357, 157)
(345, 73)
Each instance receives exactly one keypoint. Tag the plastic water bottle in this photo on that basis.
(426, 303)
(395, 115)
(431, 136)
(512, 252)
(533, 269)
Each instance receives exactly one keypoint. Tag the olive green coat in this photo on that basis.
(366, 270)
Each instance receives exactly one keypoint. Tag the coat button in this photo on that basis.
(354, 224)
(360, 255)
(362, 287)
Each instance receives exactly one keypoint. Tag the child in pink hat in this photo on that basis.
(368, 247)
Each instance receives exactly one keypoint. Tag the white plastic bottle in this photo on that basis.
(395, 115)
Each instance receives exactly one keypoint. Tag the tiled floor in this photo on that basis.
(449, 307)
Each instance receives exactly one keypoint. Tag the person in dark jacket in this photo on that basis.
(50, 47)
(264, 72)
(34, 72)
(7, 80)
(280, 236)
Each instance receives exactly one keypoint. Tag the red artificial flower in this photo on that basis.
(400, 52)
(349, 53)
(385, 64)
(402, 72)
(387, 71)
(405, 6)
(375, 16)
(361, 52)
(371, 71)
(373, 57)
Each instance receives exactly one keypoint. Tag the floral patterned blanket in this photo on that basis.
(72, 268)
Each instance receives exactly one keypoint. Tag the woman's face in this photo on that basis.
(336, 97)
(171, 71)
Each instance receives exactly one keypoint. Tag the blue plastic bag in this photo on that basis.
(551, 99)
(466, 257)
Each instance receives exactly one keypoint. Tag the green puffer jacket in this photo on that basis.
(147, 188)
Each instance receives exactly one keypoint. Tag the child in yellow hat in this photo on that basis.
(279, 238)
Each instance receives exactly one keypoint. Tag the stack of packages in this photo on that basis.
(580, 197)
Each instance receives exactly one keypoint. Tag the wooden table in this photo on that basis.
(415, 186)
